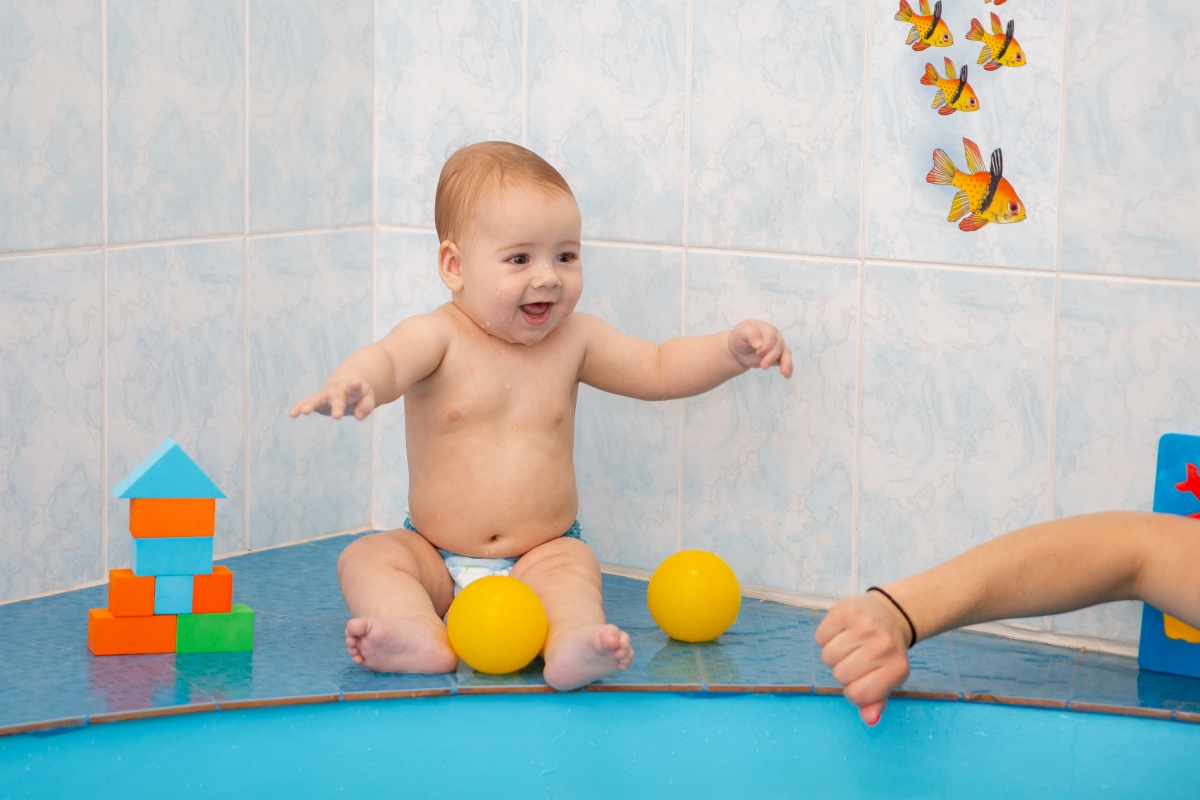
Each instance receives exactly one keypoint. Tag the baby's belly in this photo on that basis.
(496, 510)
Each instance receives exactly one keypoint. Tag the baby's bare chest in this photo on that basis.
(500, 388)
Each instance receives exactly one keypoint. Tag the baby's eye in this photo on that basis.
(566, 258)
(520, 259)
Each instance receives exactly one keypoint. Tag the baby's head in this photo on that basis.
(509, 229)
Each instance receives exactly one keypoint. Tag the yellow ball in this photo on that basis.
(694, 596)
(497, 625)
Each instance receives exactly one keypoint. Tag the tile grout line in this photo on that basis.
(372, 430)
(686, 233)
(524, 73)
(103, 289)
(1055, 322)
(246, 275)
(856, 477)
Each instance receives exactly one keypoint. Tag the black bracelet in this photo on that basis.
(903, 613)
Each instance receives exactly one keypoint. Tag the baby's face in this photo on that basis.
(519, 262)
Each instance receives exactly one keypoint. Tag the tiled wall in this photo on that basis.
(223, 198)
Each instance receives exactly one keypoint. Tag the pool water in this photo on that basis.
(611, 745)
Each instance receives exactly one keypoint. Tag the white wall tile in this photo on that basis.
(176, 111)
(310, 307)
(768, 462)
(1132, 160)
(776, 126)
(606, 107)
(50, 423)
(310, 113)
(50, 136)
(955, 413)
(449, 74)
(175, 333)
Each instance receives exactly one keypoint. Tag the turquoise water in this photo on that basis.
(610, 745)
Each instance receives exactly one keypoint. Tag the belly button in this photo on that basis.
(495, 538)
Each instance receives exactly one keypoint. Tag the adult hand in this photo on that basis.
(865, 640)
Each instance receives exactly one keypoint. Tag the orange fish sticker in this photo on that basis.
(983, 194)
(928, 30)
(1000, 49)
(953, 91)
(998, 2)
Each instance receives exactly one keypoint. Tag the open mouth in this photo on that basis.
(536, 313)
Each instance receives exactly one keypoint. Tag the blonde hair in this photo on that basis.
(477, 168)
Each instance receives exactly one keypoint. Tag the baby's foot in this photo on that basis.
(586, 654)
(400, 645)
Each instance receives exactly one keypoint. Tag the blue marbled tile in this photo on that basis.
(626, 450)
(780, 658)
(625, 603)
(408, 284)
(447, 75)
(175, 336)
(1113, 681)
(606, 106)
(50, 137)
(1020, 113)
(467, 680)
(1129, 371)
(310, 307)
(310, 113)
(176, 149)
(292, 583)
(932, 669)
(994, 667)
(768, 462)
(1131, 178)
(364, 682)
(51, 339)
(776, 126)
(658, 660)
(955, 413)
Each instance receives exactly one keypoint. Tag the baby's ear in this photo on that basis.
(450, 266)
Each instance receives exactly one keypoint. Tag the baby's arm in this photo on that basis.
(1048, 568)
(380, 372)
(680, 367)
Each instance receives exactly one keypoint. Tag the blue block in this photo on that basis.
(167, 472)
(1176, 488)
(173, 594)
(182, 555)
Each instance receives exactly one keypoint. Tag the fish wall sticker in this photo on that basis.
(953, 91)
(928, 29)
(998, 2)
(983, 196)
(1000, 49)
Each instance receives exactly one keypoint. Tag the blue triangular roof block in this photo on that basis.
(167, 472)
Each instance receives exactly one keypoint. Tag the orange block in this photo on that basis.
(112, 636)
(155, 517)
(130, 595)
(213, 594)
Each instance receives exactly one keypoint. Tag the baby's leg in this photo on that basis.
(580, 647)
(397, 590)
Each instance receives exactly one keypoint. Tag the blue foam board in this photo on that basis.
(168, 472)
(1176, 491)
(179, 555)
(173, 594)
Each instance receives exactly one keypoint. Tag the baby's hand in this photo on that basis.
(866, 643)
(760, 344)
(335, 398)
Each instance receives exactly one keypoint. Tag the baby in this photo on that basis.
(489, 382)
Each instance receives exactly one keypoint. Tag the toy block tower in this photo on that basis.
(1168, 644)
(172, 599)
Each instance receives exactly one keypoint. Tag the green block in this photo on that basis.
(215, 633)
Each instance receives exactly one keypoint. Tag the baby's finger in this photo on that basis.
(364, 406)
(785, 362)
(337, 405)
(772, 356)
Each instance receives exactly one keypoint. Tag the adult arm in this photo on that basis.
(1047, 568)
